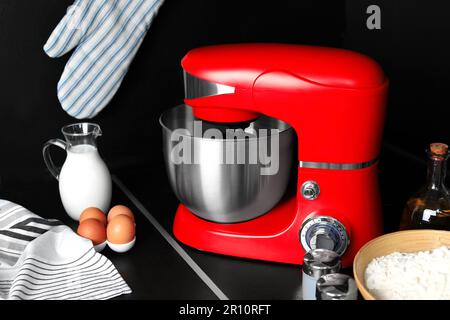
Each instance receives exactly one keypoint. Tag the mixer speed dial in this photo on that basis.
(310, 190)
(324, 232)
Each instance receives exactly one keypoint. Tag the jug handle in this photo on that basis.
(48, 159)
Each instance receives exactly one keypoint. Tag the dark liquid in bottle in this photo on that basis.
(430, 207)
(421, 213)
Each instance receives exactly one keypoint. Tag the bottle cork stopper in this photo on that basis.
(439, 148)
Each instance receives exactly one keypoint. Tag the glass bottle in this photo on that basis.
(429, 208)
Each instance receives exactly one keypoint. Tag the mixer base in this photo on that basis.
(275, 236)
(271, 237)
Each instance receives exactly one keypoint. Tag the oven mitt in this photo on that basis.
(107, 34)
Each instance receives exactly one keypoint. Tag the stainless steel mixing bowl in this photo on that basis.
(217, 183)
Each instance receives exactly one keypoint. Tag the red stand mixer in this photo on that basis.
(335, 102)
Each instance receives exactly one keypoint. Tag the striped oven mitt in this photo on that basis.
(42, 259)
(107, 34)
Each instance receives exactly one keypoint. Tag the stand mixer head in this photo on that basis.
(335, 101)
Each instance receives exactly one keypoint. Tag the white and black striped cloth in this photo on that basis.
(42, 259)
(107, 34)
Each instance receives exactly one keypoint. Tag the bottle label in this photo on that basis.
(427, 214)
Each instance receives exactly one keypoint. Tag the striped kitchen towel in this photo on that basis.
(107, 34)
(41, 259)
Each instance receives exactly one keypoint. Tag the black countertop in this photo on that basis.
(154, 269)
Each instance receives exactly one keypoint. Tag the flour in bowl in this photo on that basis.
(423, 275)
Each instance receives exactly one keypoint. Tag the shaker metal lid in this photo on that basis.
(336, 286)
(318, 262)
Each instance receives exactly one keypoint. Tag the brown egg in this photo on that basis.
(93, 230)
(120, 209)
(93, 213)
(121, 230)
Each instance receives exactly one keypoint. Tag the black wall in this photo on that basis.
(29, 109)
(412, 47)
(414, 50)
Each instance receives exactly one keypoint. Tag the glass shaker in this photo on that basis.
(336, 286)
(316, 263)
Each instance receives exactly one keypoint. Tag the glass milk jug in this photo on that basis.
(84, 179)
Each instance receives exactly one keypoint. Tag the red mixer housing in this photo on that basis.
(335, 101)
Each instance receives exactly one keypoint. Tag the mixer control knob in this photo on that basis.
(323, 240)
(310, 190)
(323, 232)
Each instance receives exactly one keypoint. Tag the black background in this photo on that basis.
(412, 47)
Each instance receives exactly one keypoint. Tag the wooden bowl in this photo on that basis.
(401, 241)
